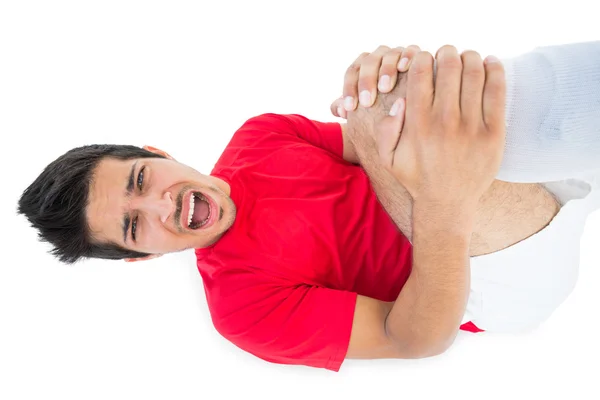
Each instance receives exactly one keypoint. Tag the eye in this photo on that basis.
(140, 179)
(133, 228)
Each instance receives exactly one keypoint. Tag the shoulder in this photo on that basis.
(258, 137)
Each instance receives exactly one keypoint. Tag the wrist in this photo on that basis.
(444, 217)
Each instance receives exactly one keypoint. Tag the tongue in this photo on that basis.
(200, 211)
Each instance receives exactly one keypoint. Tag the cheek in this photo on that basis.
(170, 173)
(156, 238)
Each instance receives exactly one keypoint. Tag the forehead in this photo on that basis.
(106, 199)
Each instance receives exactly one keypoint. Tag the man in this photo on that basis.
(297, 229)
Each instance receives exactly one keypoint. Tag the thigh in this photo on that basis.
(518, 288)
(509, 213)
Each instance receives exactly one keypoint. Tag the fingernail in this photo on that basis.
(403, 64)
(349, 103)
(365, 98)
(491, 59)
(384, 83)
(395, 108)
(339, 111)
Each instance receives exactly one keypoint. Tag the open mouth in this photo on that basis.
(199, 211)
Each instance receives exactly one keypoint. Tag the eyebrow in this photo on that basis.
(129, 191)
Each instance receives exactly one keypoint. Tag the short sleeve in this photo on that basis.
(301, 324)
(325, 135)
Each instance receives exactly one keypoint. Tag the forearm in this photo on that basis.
(394, 198)
(435, 296)
(392, 195)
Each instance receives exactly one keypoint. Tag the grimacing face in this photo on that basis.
(144, 205)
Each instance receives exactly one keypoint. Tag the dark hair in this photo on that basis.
(55, 203)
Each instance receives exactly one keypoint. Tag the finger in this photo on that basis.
(350, 92)
(419, 88)
(407, 56)
(389, 131)
(448, 81)
(473, 79)
(388, 73)
(494, 94)
(369, 75)
(337, 108)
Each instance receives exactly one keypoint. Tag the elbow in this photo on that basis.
(427, 347)
(434, 350)
(427, 351)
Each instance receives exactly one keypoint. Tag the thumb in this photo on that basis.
(388, 132)
(337, 108)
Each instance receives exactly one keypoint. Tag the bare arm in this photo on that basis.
(358, 133)
(446, 159)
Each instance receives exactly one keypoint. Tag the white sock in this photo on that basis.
(552, 114)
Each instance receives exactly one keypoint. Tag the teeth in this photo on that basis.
(191, 212)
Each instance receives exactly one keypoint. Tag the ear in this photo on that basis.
(158, 151)
(149, 257)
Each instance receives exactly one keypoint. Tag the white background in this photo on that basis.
(183, 76)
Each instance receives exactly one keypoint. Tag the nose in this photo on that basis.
(162, 207)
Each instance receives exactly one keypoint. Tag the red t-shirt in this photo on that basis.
(309, 236)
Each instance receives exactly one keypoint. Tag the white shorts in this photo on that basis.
(518, 288)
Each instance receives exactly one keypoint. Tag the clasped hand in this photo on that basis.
(444, 139)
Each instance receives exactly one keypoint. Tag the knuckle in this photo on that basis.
(371, 59)
(413, 49)
(391, 59)
(418, 70)
(349, 89)
(355, 66)
(472, 60)
(471, 55)
(470, 123)
(447, 48)
(447, 57)
(366, 80)
(494, 67)
(382, 49)
(475, 71)
(422, 64)
(424, 57)
(453, 63)
(396, 51)
(388, 69)
(494, 87)
(448, 115)
(353, 69)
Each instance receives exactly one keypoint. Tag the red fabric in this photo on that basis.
(470, 327)
(309, 236)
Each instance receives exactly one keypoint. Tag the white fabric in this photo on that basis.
(553, 136)
(518, 288)
(552, 113)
